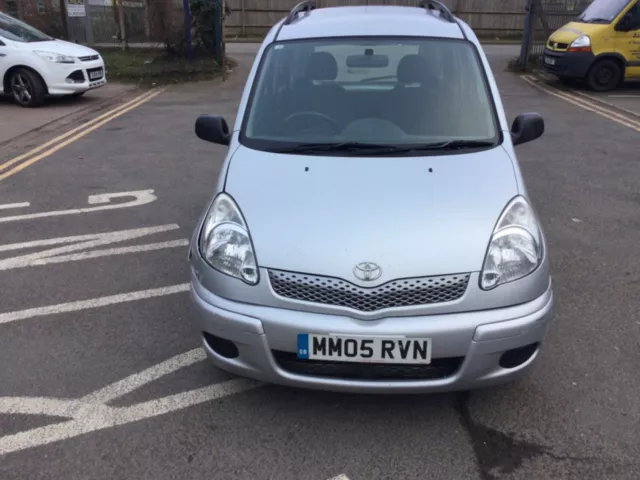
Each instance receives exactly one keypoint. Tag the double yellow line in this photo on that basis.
(21, 162)
(592, 106)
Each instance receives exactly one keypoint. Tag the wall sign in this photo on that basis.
(75, 8)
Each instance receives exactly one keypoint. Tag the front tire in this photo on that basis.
(27, 88)
(604, 76)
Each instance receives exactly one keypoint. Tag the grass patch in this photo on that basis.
(156, 67)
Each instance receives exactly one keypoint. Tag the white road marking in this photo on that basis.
(90, 413)
(92, 303)
(84, 242)
(91, 417)
(103, 200)
(340, 477)
(105, 253)
(8, 206)
(135, 381)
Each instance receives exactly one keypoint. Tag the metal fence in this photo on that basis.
(542, 19)
(100, 21)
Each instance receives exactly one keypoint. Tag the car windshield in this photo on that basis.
(602, 11)
(13, 29)
(357, 93)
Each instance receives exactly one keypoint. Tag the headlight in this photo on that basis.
(582, 43)
(516, 247)
(55, 57)
(225, 243)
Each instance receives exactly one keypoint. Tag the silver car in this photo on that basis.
(370, 230)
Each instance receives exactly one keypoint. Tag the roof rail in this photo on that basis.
(445, 13)
(305, 6)
(441, 7)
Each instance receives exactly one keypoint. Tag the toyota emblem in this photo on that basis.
(367, 271)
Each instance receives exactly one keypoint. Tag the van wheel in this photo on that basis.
(27, 88)
(604, 76)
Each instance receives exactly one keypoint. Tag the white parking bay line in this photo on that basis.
(137, 380)
(92, 303)
(91, 417)
(7, 206)
(91, 413)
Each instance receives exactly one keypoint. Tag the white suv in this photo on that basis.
(34, 65)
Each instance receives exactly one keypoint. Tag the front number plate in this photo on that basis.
(364, 350)
(549, 61)
(96, 74)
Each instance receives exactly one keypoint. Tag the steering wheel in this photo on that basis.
(300, 126)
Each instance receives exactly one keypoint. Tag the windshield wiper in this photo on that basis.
(455, 145)
(356, 148)
(596, 20)
(337, 147)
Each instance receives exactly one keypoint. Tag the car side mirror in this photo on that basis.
(526, 128)
(213, 128)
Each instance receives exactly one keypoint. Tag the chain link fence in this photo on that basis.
(542, 19)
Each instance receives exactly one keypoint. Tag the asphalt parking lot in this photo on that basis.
(102, 376)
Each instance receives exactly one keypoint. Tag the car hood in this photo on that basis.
(572, 30)
(60, 47)
(412, 216)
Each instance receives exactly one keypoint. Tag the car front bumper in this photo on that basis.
(478, 339)
(67, 79)
(567, 64)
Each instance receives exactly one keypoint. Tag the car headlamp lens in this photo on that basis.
(225, 243)
(515, 249)
(581, 42)
(56, 58)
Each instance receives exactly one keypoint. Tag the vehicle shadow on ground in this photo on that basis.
(53, 102)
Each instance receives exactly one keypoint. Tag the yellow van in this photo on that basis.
(602, 46)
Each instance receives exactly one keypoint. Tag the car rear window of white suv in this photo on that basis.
(396, 91)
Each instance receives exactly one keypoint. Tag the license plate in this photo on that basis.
(364, 350)
(96, 74)
(549, 61)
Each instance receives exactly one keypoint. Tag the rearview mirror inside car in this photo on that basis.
(526, 127)
(367, 61)
(213, 128)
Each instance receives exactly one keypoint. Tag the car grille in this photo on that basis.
(557, 46)
(89, 58)
(438, 368)
(398, 293)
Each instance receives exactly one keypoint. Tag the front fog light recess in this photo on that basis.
(225, 243)
(515, 249)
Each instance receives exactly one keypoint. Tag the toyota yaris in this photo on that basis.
(370, 230)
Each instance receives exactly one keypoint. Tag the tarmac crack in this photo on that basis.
(498, 453)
